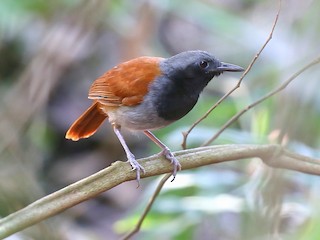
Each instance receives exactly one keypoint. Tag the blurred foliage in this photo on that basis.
(51, 51)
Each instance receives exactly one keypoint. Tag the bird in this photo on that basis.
(148, 93)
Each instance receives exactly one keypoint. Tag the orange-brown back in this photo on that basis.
(127, 83)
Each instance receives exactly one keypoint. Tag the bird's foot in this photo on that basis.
(136, 167)
(174, 161)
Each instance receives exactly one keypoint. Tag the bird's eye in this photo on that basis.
(203, 64)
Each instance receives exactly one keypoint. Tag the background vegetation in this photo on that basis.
(51, 51)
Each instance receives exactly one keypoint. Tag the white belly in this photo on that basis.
(138, 117)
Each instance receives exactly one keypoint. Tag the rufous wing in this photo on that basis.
(127, 83)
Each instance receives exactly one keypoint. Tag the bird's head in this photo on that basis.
(195, 67)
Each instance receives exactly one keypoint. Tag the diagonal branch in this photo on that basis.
(186, 134)
(119, 172)
(148, 208)
(272, 93)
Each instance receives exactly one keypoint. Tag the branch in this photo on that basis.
(186, 134)
(270, 94)
(147, 209)
(119, 172)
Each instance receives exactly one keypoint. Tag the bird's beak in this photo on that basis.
(229, 67)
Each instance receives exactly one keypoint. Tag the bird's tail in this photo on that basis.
(87, 124)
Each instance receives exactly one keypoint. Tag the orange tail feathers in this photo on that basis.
(87, 124)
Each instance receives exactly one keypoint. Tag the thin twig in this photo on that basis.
(186, 134)
(277, 90)
(148, 207)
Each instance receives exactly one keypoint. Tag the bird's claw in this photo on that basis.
(136, 167)
(174, 161)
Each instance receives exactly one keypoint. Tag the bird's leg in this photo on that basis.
(131, 158)
(165, 152)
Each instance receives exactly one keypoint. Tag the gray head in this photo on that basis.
(196, 65)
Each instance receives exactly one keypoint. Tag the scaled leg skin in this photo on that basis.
(165, 152)
(131, 158)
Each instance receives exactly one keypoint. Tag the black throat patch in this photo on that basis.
(172, 99)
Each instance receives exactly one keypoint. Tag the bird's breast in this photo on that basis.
(171, 99)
